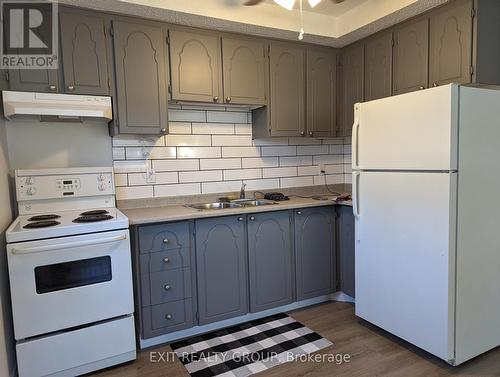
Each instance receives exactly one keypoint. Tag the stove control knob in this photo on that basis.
(102, 177)
(102, 187)
(31, 191)
(29, 181)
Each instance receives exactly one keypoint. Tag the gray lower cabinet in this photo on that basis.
(411, 56)
(221, 264)
(270, 260)
(140, 55)
(84, 56)
(165, 278)
(315, 252)
(378, 67)
(345, 249)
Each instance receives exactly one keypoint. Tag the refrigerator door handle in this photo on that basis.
(355, 190)
(355, 131)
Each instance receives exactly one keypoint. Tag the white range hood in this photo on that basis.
(58, 106)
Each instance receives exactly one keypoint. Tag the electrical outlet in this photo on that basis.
(321, 168)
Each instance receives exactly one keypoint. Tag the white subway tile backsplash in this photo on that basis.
(220, 163)
(213, 128)
(240, 151)
(277, 150)
(279, 172)
(231, 175)
(198, 152)
(176, 165)
(259, 162)
(200, 176)
(177, 190)
(188, 140)
(227, 117)
(210, 149)
(236, 140)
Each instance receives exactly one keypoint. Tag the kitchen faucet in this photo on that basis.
(242, 191)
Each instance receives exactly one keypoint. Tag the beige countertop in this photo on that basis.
(155, 211)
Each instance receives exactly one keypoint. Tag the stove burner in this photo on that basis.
(95, 212)
(92, 218)
(41, 224)
(44, 217)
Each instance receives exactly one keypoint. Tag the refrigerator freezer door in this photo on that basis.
(413, 131)
(405, 255)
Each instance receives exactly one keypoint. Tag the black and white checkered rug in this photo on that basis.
(248, 348)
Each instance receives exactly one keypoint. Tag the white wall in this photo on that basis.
(7, 358)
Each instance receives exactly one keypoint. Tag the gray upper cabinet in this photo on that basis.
(315, 252)
(195, 66)
(451, 44)
(352, 86)
(270, 260)
(411, 57)
(221, 262)
(83, 44)
(141, 77)
(378, 67)
(345, 251)
(287, 87)
(321, 93)
(244, 71)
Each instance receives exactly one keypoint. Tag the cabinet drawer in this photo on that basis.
(163, 237)
(165, 260)
(165, 318)
(169, 286)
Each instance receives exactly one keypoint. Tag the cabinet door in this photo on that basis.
(245, 76)
(315, 251)
(451, 44)
(141, 77)
(221, 268)
(287, 95)
(352, 85)
(321, 93)
(83, 45)
(35, 80)
(195, 66)
(346, 250)
(378, 67)
(270, 260)
(411, 57)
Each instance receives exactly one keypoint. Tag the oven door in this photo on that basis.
(72, 281)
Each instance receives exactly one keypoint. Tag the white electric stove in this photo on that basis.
(70, 273)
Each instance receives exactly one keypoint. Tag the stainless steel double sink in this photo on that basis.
(238, 203)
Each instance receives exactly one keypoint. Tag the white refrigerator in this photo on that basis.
(426, 200)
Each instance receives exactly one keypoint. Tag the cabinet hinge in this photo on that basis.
(7, 77)
(170, 88)
(473, 13)
(471, 69)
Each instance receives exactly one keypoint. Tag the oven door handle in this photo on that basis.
(67, 245)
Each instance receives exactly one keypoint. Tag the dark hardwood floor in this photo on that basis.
(372, 351)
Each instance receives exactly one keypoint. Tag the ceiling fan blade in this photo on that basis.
(252, 2)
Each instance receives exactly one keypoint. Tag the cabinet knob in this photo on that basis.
(302, 133)
(252, 218)
(165, 241)
(168, 316)
(163, 130)
(435, 84)
(166, 260)
(167, 287)
(71, 88)
(311, 133)
(299, 212)
(216, 99)
(228, 99)
(52, 88)
(421, 87)
(240, 219)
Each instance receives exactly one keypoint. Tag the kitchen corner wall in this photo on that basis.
(210, 150)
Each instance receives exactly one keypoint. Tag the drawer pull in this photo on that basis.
(299, 212)
(167, 287)
(165, 241)
(168, 316)
(166, 260)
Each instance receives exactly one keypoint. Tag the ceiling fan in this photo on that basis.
(288, 4)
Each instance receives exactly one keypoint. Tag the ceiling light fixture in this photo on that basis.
(313, 3)
(288, 4)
